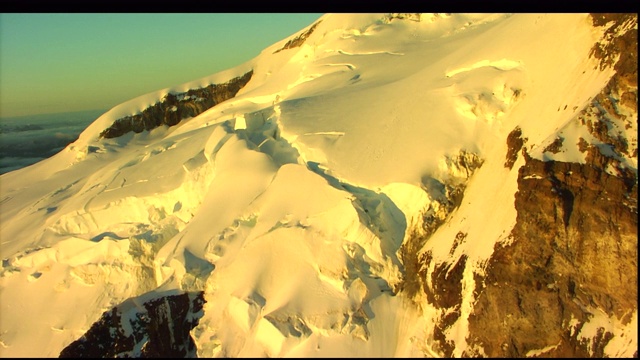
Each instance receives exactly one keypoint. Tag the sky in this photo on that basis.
(61, 62)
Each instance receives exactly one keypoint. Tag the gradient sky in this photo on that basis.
(71, 62)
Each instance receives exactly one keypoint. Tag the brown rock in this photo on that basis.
(555, 146)
(575, 246)
(515, 143)
(173, 108)
(161, 329)
(300, 39)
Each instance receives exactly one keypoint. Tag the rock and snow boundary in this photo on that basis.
(350, 199)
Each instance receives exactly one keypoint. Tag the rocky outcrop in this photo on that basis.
(159, 327)
(403, 16)
(416, 17)
(298, 40)
(445, 293)
(175, 107)
(514, 144)
(574, 250)
(571, 259)
(446, 195)
(573, 253)
(556, 146)
(618, 46)
(441, 285)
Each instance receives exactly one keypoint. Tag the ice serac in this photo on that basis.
(375, 185)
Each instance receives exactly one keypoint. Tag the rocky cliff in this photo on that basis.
(175, 107)
(570, 266)
(298, 40)
(158, 327)
(574, 254)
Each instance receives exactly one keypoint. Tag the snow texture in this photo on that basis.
(288, 203)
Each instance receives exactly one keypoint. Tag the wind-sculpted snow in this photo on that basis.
(355, 198)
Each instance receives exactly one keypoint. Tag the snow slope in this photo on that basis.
(287, 204)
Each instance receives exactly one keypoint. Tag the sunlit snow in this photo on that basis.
(298, 192)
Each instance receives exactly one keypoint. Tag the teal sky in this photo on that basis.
(71, 62)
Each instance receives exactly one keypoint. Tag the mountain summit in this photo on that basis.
(375, 185)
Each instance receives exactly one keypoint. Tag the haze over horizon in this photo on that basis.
(52, 63)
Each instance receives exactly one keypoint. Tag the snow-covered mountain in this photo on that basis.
(374, 185)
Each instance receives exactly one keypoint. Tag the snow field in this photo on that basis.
(287, 204)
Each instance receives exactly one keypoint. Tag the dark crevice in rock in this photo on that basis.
(563, 193)
(173, 108)
(160, 327)
(298, 40)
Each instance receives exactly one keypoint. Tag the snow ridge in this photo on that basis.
(348, 200)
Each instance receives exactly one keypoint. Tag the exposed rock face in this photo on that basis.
(572, 254)
(299, 40)
(445, 293)
(402, 16)
(618, 39)
(158, 328)
(555, 146)
(175, 107)
(574, 250)
(445, 198)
